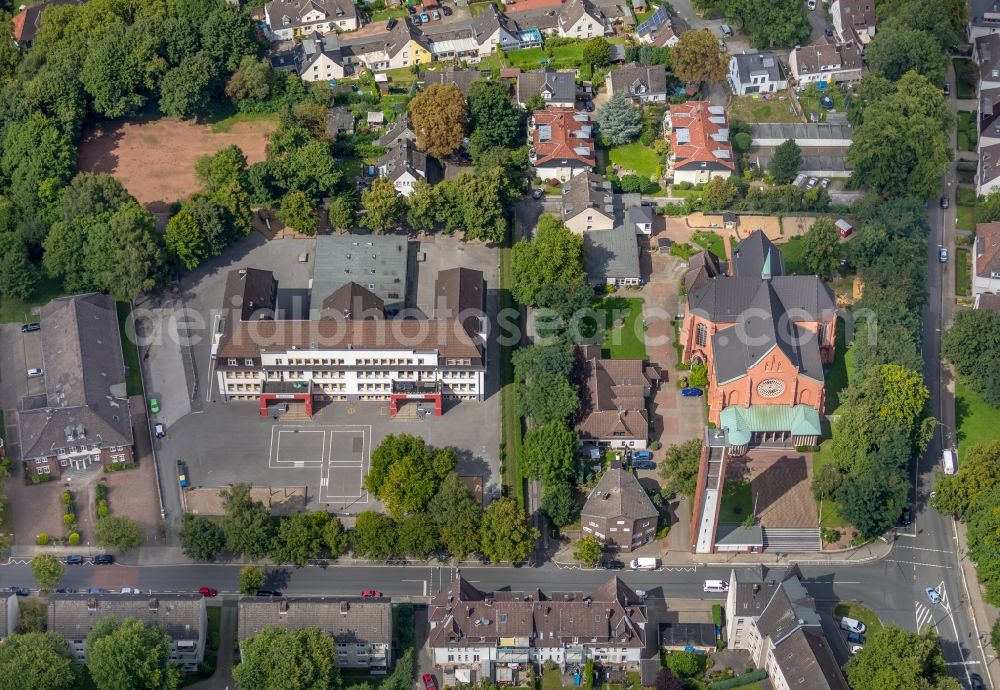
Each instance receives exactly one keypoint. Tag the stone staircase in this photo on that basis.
(792, 540)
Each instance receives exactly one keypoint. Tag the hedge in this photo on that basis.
(736, 681)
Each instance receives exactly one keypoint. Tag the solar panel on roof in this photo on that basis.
(683, 136)
(581, 117)
(719, 136)
(716, 110)
(658, 19)
(721, 153)
(544, 132)
(715, 120)
(581, 151)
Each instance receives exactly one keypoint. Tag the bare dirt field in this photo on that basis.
(155, 159)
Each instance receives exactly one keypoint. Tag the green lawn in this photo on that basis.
(400, 75)
(737, 502)
(563, 57)
(383, 15)
(837, 373)
(976, 422)
(477, 8)
(966, 196)
(965, 72)
(551, 680)
(858, 612)
(638, 158)
(627, 341)
(750, 109)
(688, 193)
(829, 510)
(133, 380)
(19, 311)
(965, 217)
(224, 125)
(749, 686)
(966, 129)
(712, 241)
(963, 272)
(809, 100)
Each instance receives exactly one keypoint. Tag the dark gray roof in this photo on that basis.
(293, 10)
(756, 253)
(84, 378)
(73, 615)
(618, 494)
(774, 133)
(790, 608)
(399, 130)
(989, 163)
(682, 634)
(806, 661)
(701, 267)
(378, 262)
(561, 85)
(587, 191)
(724, 299)
(462, 78)
(570, 13)
(755, 586)
(252, 291)
(350, 619)
(458, 291)
(354, 301)
(756, 64)
(638, 215)
(491, 19)
(634, 79)
(339, 120)
(985, 13)
(738, 534)
(611, 254)
(404, 157)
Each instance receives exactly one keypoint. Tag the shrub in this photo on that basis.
(67, 497)
(74, 538)
(717, 615)
(737, 681)
(69, 520)
(102, 510)
(42, 539)
(101, 492)
(829, 535)
(553, 182)
(655, 445)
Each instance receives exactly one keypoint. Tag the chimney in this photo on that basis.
(154, 604)
(283, 607)
(344, 608)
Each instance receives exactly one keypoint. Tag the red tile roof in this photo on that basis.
(18, 22)
(987, 249)
(569, 136)
(707, 138)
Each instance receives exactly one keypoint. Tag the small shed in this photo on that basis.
(376, 118)
(687, 637)
(844, 228)
(664, 244)
(730, 220)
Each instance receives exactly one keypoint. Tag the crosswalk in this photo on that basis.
(924, 610)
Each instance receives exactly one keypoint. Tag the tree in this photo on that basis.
(116, 72)
(201, 538)
(457, 515)
(222, 167)
(971, 344)
(253, 81)
(439, 116)
(47, 570)
(961, 493)
(772, 23)
(118, 532)
(126, 653)
(821, 248)
(554, 255)
(277, 658)
(903, 394)
(383, 205)
(873, 501)
(494, 118)
(827, 482)
(898, 48)
(588, 550)
(619, 121)
(546, 399)
(341, 214)
(251, 579)
(685, 664)
(506, 534)
(896, 658)
(36, 660)
(698, 57)
(666, 680)
(246, 523)
(405, 473)
(196, 231)
(335, 537)
(374, 536)
(699, 372)
(186, 89)
(597, 52)
(549, 452)
(416, 535)
(34, 616)
(300, 537)
(298, 213)
(680, 467)
(559, 503)
(786, 162)
(995, 635)
(565, 299)
(484, 199)
(18, 276)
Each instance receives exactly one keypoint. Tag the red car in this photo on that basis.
(371, 593)
(429, 682)
(209, 592)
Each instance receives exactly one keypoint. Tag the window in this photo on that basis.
(701, 335)
(248, 362)
(232, 361)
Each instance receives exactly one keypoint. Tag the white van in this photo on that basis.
(35, 372)
(645, 563)
(852, 625)
(948, 461)
(726, 30)
(715, 586)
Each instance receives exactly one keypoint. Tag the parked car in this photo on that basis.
(268, 593)
(691, 392)
(943, 254)
(35, 372)
(154, 405)
(159, 430)
(933, 595)
(436, 15)
(208, 592)
(537, 193)
(829, 33)
(613, 564)
(425, 18)
(31, 327)
(98, 590)
(103, 559)
(416, 20)
(447, 11)
(182, 479)
(855, 638)
(977, 681)
(813, 181)
(429, 682)
(855, 648)
(391, 24)
(20, 591)
(641, 455)
(644, 464)
(944, 202)
(904, 518)
(66, 590)
(411, 9)
(131, 590)
(947, 89)
(825, 182)
(369, 593)
(73, 559)
(852, 625)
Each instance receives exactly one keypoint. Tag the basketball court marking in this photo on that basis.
(340, 452)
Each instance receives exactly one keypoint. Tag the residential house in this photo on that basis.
(611, 257)
(556, 88)
(699, 142)
(613, 409)
(10, 615)
(288, 19)
(988, 169)
(361, 628)
(770, 614)
(989, 116)
(588, 203)
(182, 616)
(853, 21)
(618, 511)
(339, 121)
(404, 164)
(639, 219)
(401, 46)
(764, 337)
(986, 53)
(581, 19)
(462, 78)
(640, 83)
(400, 130)
(317, 58)
(493, 30)
(29, 19)
(562, 143)
(988, 301)
(658, 29)
(984, 19)
(751, 73)
(986, 260)
(459, 44)
(85, 417)
(479, 635)
(826, 61)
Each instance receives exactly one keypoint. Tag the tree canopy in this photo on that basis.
(619, 121)
(587, 551)
(786, 162)
(277, 658)
(127, 653)
(405, 473)
(549, 452)
(899, 48)
(495, 120)
(698, 57)
(895, 658)
(457, 515)
(961, 493)
(246, 522)
(383, 205)
(201, 538)
(680, 467)
(505, 533)
(30, 661)
(821, 248)
(554, 255)
(439, 116)
(971, 344)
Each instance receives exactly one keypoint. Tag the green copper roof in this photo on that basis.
(741, 422)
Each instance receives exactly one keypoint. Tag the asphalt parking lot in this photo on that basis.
(228, 442)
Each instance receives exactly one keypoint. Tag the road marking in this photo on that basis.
(922, 548)
(973, 662)
(925, 565)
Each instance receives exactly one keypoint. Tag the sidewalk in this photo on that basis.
(982, 612)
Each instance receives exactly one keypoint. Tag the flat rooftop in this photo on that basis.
(376, 262)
